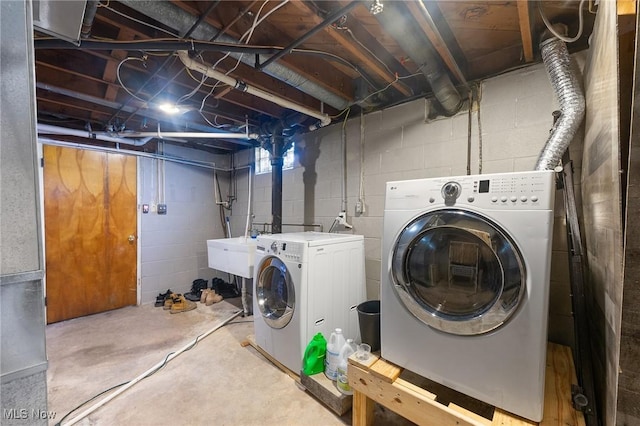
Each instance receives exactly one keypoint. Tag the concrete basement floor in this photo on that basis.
(218, 382)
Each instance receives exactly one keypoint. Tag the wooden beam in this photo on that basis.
(334, 80)
(525, 29)
(383, 385)
(422, 15)
(110, 69)
(80, 85)
(342, 40)
(259, 79)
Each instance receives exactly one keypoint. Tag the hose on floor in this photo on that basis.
(153, 370)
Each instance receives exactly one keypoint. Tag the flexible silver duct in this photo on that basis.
(176, 18)
(417, 46)
(570, 97)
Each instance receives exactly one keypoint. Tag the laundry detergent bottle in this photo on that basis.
(342, 381)
(332, 357)
(313, 360)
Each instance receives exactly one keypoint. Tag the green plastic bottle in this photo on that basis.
(313, 360)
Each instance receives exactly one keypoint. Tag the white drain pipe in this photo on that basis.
(47, 129)
(150, 371)
(194, 65)
(142, 137)
(194, 135)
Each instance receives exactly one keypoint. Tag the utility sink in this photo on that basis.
(232, 255)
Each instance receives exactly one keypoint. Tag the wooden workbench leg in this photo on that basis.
(362, 411)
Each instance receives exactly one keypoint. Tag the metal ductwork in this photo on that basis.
(174, 17)
(415, 44)
(570, 97)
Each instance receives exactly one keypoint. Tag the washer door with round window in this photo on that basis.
(458, 272)
(275, 292)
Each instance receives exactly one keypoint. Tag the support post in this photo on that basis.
(277, 152)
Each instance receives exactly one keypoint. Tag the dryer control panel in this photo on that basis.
(514, 191)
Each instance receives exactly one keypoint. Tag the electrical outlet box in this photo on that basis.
(359, 208)
(162, 209)
(145, 208)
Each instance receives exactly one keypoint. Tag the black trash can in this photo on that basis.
(369, 320)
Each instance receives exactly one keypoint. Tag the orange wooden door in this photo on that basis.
(90, 207)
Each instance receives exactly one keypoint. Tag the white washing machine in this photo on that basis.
(305, 283)
(465, 284)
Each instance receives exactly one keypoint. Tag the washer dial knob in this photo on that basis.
(451, 191)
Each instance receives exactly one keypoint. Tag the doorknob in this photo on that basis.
(132, 238)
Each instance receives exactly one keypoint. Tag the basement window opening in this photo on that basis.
(263, 162)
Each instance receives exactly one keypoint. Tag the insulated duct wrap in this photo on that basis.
(570, 97)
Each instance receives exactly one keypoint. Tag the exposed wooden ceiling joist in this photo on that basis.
(525, 30)
(351, 59)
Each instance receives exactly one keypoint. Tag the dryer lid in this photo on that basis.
(275, 292)
(458, 272)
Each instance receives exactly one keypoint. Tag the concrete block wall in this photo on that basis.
(173, 246)
(399, 143)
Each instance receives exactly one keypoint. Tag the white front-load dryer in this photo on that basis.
(465, 284)
(305, 283)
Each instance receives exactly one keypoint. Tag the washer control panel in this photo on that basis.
(285, 249)
(521, 190)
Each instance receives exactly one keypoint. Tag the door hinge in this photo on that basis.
(45, 301)
(42, 162)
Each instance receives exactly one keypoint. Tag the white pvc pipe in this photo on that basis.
(246, 227)
(55, 130)
(237, 84)
(133, 382)
(212, 166)
(145, 136)
(200, 135)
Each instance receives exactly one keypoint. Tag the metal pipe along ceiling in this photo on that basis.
(570, 97)
(417, 46)
(176, 18)
(206, 130)
(89, 15)
(152, 46)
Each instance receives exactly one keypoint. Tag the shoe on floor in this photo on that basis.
(212, 297)
(194, 297)
(180, 304)
(160, 299)
(168, 302)
(203, 295)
